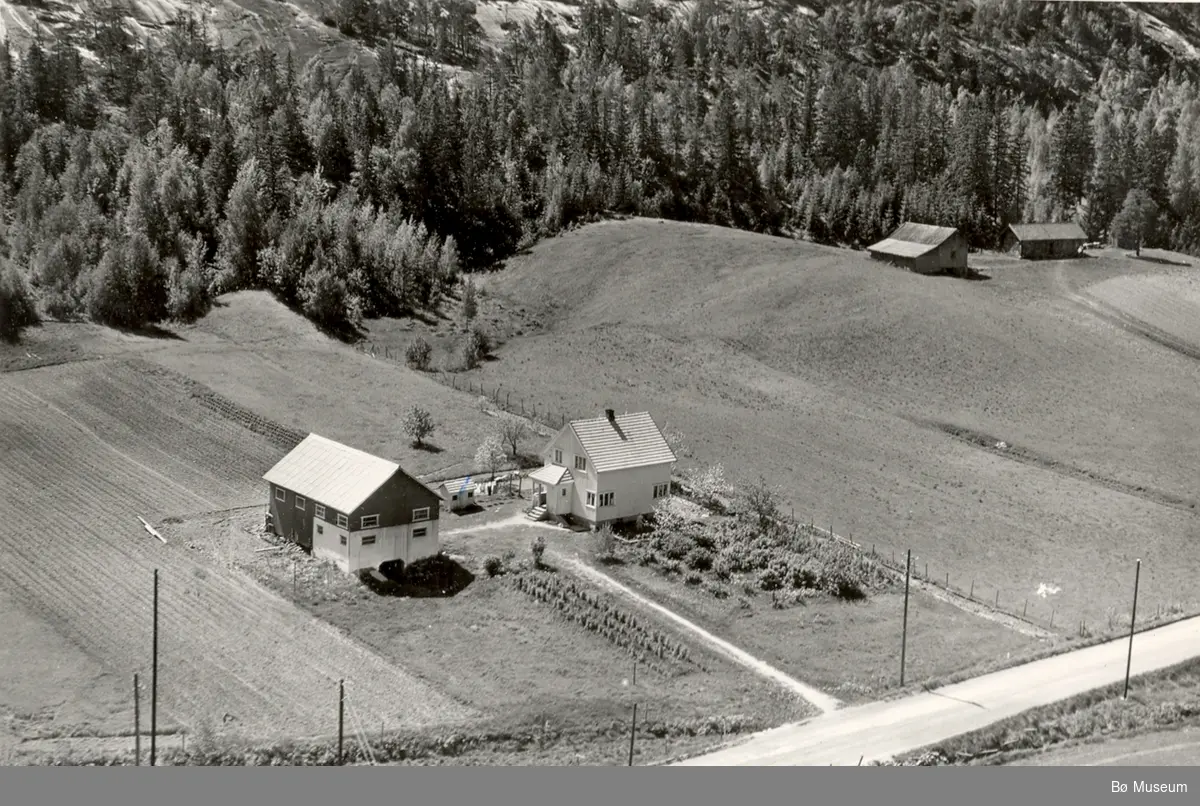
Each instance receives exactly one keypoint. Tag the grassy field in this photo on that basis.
(1177, 748)
(841, 380)
(89, 447)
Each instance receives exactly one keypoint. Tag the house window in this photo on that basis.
(470, 493)
(280, 494)
(321, 511)
(580, 463)
(368, 540)
(660, 490)
(558, 457)
(342, 539)
(591, 499)
(320, 529)
(420, 532)
(421, 514)
(343, 522)
(368, 522)
(301, 503)
(606, 499)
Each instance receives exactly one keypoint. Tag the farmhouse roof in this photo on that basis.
(552, 475)
(1048, 232)
(330, 473)
(912, 240)
(625, 441)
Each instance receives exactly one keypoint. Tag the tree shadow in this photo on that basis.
(428, 448)
(1162, 261)
(471, 509)
(150, 332)
(433, 577)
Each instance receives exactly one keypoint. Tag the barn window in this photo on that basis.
(558, 457)
(368, 522)
(421, 514)
(660, 490)
(342, 539)
(580, 463)
(368, 540)
(280, 494)
(343, 522)
(420, 532)
(591, 499)
(320, 529)
(321, 511)
(606, 499)
(301, 503)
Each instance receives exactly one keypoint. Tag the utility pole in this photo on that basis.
(904, 630)
(137, 724)
(632, 733)
(341, 718)
(1137, 575)
(154, 679)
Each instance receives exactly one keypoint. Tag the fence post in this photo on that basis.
(997, 598)
(971, 595)
(1052, 611)
(1025, 608)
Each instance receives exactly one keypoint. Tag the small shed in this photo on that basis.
(924, 248)
(459, 494)
(1044, 241)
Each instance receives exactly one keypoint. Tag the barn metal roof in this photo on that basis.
(890, 246)
(1048, 232)
(913, 240)
(630, 440)
(330, 473)
(552, 475)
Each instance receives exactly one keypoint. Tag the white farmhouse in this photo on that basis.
(610, 468)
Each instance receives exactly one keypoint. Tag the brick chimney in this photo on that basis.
(611, 415)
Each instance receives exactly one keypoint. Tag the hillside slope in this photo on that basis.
(839, 380)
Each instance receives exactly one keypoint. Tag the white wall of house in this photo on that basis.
(327, 543)
(633, 492)
(566, 442)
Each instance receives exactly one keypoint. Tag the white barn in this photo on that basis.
(605, 469)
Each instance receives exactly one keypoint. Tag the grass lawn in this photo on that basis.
(507, 656)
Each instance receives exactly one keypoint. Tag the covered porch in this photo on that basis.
(553, 489)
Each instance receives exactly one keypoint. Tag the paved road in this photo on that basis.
(883, 730)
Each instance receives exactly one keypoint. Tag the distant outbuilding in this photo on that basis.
(459, 494)
(924, 248)
(1044, 241)
(357, 510)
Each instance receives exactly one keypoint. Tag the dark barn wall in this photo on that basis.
(292, 523)
(395, 500)
(1048, 250)
(896, 260)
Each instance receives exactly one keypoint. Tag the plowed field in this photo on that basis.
(84, 450)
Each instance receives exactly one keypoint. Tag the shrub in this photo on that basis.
(470, 306)
(538, 549)
(645, 557)
(187, 297)
(762, 503)
(716, 591)
(699, 559)
(674, 546)
(17, 311)
(323, 295)
(773, 576)
(606, 543)
(670, 566)
(722, 570)
(692, 578)
(418, 424)
(417, 354)
(494, 566)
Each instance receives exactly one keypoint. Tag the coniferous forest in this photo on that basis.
(138, 184)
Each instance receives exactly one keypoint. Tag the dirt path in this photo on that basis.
(817, 698)
(884, 730)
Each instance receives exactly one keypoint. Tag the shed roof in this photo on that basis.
(330, 473)
(913, 240)
(629, 440)
(455, 486)
(552, 475)
(890, 246)
(1048, 232)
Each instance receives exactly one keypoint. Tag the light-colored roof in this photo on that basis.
(633, 440)
(458, 485)
(913, 240)
(890, 246)
(552, 474)
(1069, 231)
(330, 473)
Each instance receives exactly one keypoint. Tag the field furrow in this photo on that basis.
(86, 450)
